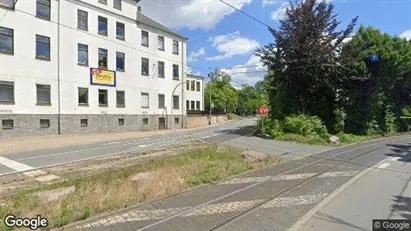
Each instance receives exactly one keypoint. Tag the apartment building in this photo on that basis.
(76, 66)
(194, 93)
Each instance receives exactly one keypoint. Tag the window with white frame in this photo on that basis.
(145, 100)
(6, 92)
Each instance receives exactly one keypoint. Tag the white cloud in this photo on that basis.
(193, 57)
(406, 34)
(271, 2)
(251, 72)
(279, 14)
(191, 14)
(232, 44)
(190, 70)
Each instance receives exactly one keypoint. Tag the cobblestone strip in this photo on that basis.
(286, 177)
(237, 206)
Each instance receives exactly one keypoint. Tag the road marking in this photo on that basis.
(287, 177)
(17, 166)
(143, 146)
(384, 165)
(236, 206)
(395, 158)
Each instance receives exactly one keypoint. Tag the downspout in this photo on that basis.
(182, 85)
(58, 71)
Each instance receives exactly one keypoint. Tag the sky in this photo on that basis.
(221, 37)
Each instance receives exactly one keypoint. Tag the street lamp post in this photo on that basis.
(210, 105)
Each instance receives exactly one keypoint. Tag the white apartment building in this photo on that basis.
(75, 66)
(194, 93)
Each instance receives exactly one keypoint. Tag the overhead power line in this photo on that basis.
(248, 15)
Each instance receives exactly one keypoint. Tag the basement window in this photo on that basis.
(145, 120)
(176, 120)
(44, 123)
(84, 122)
(7, 124)
(121, 122)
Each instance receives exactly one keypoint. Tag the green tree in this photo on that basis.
(303, 60)
(249, 99)
(375, 102)
(223, 95)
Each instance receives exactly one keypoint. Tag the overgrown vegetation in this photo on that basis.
(115, 189)
(303, 129)
(320, 75)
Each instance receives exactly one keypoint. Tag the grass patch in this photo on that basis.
(317, 140)
(115, 189)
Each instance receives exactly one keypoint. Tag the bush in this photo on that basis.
(304, 125)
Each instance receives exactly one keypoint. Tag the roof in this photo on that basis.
(194, 76)
(141, 18)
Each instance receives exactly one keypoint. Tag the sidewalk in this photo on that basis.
(32, 143)
(382, 193)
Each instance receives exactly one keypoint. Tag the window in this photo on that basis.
(120, 31)
(198, 105)
(42, 47)
(43, 9)
(175, 47)
(176, 103)
(198, 86)
(192, 105)
(144, 66)
(193, 85)
(188, 105)
(144, 38)
(120, 61)
(145, 120)
(175, 72)
(102, 58)
(7, 124)
(161, 43)
(145, 100)
(102, 97)
(188, 85)
(176, 120)
(83, 122)
(121, 99)
(44, 123)
(82, 96)
(161, 69)
(161, 101)
(82, 54)
(6, 92)
(6, 40)
(103, 2)
(82, 20)
(43, 94)
(117, 4)
(102, 26)
(7, 3)
(121, 122)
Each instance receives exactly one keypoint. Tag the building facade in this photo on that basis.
(76, 66)
(194, 93)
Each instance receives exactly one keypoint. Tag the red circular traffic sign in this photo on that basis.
(263, 110)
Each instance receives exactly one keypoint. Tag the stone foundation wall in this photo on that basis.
(28, 125)
(194, 120)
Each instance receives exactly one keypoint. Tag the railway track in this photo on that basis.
(244, 213)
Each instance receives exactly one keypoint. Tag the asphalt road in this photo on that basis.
(26, 161)
(229, 132)
(279, 197)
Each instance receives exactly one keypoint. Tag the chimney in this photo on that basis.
(139, 9)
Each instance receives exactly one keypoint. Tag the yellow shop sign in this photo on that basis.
(102, 77)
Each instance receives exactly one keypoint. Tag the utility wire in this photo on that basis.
(248, 15)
